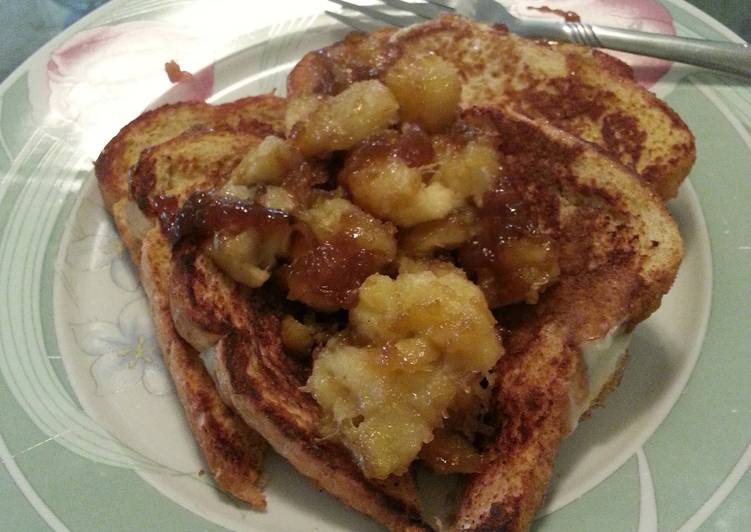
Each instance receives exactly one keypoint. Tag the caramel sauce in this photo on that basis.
(450, 452)
(412, 145)
(302, 180)
(327, 275)
(502, 218)
(508, 256)
(504, 214)
(165, 207)
(568, 16)
(204, 214)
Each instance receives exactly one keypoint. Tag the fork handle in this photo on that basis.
(718, 55)
(726, 56)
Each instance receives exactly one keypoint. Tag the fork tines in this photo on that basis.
(418, 12)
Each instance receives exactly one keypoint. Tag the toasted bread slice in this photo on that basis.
(580, 90)
(261, 115)
(196, 160)
(264, 386)
(621, 249)
(165, 176)
(195, 304)
(232, 450)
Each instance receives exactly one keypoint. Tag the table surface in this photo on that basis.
(25, 25)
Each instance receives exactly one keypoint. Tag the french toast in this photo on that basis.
(623, 251)
(232, 450)
(582, 91)
(286, 250)
(618, 245)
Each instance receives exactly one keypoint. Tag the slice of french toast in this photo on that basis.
(232, 450)
(582, 91)
(260, 114)
(265, 385)
(620, 249)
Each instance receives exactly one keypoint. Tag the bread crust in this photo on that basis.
(626, 272)
(232, 450)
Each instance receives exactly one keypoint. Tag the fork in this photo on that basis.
(717, 55)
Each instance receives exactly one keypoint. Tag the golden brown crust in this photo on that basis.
(620, 248)
(533, 396)
(584, 92)
(193, 161)
(232, 450)
(257, 114)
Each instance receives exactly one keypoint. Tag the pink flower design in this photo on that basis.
(102, 77)
(641, 15)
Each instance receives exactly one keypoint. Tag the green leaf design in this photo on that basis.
(16, 123)
(4, 162)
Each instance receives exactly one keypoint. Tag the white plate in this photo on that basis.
(92, 434)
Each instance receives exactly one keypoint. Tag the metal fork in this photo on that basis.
(717, 55)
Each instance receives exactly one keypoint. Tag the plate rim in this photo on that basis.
(91, 19)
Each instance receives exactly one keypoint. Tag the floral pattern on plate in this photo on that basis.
(126, 352)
